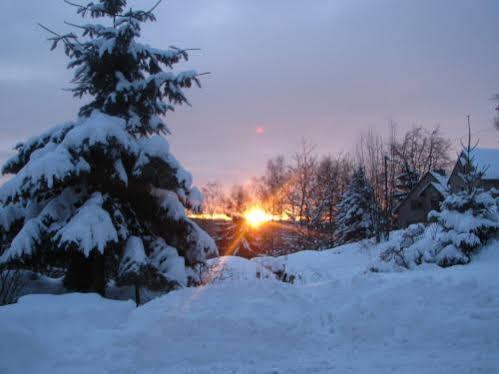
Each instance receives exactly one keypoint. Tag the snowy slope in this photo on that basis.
(314, 266)
(337, 318)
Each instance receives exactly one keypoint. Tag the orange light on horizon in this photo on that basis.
(215, 216)
(256, 216)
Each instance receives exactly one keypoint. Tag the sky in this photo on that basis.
(280, 71)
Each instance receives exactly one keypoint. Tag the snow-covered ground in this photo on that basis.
(336, 318)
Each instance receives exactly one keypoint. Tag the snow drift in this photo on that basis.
(337, 317)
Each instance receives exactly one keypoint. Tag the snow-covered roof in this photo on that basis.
(442, 188)
(441, 182)
(487, 159)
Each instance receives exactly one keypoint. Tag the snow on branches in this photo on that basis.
(86, 192)
(125, 78)
(355, 219)
(467, 219)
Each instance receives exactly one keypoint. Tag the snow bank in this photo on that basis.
(430, 320)
(315, 266)
(43, 329)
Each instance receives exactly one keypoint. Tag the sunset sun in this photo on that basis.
(256, 216)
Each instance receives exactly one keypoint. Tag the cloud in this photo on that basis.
(219, 13)
(324, 68)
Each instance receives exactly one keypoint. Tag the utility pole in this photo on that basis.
(387, 206)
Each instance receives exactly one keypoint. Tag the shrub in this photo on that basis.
(12, 283)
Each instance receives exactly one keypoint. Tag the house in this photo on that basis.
(485, 160)
(432, 188)
(424, 197)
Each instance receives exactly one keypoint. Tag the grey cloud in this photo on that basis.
(326, 69)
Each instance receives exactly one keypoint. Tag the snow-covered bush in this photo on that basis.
(464, 225)
(82, 190)
(234, 268)
(468, 220)
(397, 253)
(414, 246)
(357, 211)
(278, 267)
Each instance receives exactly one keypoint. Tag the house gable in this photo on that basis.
(486, 159)
(423, 198)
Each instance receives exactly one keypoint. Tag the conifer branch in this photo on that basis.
(57, 37)
(76, 5)
(75, 25)
(154, 7)
(129, 14)
(49, 30)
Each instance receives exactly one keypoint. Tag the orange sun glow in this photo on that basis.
(256, 216)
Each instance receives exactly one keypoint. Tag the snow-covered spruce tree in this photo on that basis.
(468, 217)
(81, 190)
(357, 210)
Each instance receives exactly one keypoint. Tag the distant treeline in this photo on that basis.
(306, 187)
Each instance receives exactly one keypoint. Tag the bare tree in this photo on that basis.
(302, 173)
(330, 182)
(370, 154)
(239, 200)
(422, 150)
(274, 185)
(213, 198)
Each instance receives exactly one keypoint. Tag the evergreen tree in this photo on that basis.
(468, 217)
(357, 212)
(133, 268)
(81, 190)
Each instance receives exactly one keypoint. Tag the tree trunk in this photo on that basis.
(137, 294)
(78, 274)
(86, 274)
(98, 274)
